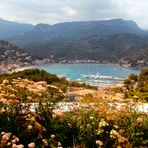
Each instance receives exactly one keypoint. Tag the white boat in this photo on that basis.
(96, 76)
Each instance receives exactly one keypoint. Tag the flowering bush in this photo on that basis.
(101, 124)
(108, 125)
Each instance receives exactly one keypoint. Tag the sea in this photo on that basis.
(92, 74)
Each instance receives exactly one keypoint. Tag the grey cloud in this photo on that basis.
(54, 11)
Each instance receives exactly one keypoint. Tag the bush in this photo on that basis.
(137, 85)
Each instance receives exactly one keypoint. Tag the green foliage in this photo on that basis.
(137, 86)
(93, 125)
(85, 126)
(41, 75)
(118, 89)
(133, 77)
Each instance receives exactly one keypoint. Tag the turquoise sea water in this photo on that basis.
(80, 72)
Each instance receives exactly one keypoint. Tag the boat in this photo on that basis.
(96, 76)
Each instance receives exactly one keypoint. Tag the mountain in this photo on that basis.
(116, 41)
(117, 48)
(71, 31)
(9, 29)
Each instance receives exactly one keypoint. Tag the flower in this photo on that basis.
(103, 123)
(52, 136)
(121, 139)
(59, 144)
(91, 117)
(29, 98)
(13, 141)
(3, 133)
(119, 146)
(5, 137)
(32, 119)
(140, 120)
(99, 131)
(113, 133)
(109, 117)
(45, 142)
(31, 145)
(14, 145)
(30, 127)
(9, 143)
(98, 142)
(5, 82)
(116, 126)
(17, 139)
(20, 146)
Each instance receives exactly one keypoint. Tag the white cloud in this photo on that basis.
(70, 11)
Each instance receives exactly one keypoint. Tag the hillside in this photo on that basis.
(137, 86)
(124, 49)
(116, 41)
(13, 55)
(9, 28)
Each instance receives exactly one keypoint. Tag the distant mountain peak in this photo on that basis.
(42, 25)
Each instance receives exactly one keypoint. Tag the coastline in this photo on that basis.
(95, 81)
(24, 68)
(109, 80)
(66, 63)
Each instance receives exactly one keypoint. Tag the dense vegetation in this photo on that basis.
(137, 86)
(100, 125)
(41, 75)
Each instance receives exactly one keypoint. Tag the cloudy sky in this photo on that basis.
(55, 11)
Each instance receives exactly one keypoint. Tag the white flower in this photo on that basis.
(103, 123)
(113, 133)
(91, 117)
(99, 131)
(31, 145)
(98, 142)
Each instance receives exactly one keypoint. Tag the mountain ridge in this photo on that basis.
(71, 31)
(11, 28)
(113, 40)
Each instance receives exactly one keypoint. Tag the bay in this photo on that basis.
(94, 74)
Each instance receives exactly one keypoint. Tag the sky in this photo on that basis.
(56, 11)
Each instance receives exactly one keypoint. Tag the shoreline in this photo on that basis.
(51, 64)
(93, 83)
(24, 68)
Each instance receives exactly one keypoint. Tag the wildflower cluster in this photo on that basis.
(22, 90)
(105, 124)
(9, 140)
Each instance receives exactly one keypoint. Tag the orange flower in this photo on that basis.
(37, 126)
(5, 137)
(109, 117)
(121, 139)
